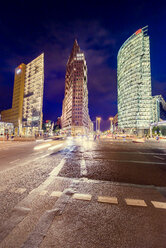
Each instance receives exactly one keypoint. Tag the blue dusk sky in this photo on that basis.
(29, 28)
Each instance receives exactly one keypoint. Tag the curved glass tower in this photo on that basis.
(134, 83)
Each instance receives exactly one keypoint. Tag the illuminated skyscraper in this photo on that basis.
(75, 115)
(134, 83)
(26, 112)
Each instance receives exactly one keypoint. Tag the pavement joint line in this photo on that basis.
(159, 158)
(56, 193)
(132, 161)
(19, 213)
(135, 202)
(36, 236)
(85, 197)
(113, 183)
(157, 204)
(44, 192)
(107, 199)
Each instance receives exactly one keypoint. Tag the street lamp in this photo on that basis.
(111, 126)
(98, 119)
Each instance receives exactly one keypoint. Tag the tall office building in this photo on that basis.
(134, 83)
(26, 111)
(158, 109)
(75, 114)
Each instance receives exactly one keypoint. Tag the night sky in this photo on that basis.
(28, 28)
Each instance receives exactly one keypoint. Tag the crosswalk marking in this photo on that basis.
(88, 197)
(56, 193)
(106, 199)
(84, 197)
(157, 204)
(135, 202)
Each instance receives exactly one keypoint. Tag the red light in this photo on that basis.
(138, 31)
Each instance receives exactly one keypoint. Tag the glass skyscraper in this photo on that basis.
(134, 83)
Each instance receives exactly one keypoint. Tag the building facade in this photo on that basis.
(26, 112)
(75, 114)
(158, 109)
(134, 83)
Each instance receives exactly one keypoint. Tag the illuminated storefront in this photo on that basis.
(134, 83)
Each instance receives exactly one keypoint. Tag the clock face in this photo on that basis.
(18, 71)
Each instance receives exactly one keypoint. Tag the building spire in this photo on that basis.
(75, 50)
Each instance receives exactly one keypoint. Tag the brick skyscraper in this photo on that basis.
(75, 114)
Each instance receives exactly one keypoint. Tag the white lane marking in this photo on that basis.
(106, 199)
(135, 202)
(159, 157)
(57, 169)
(44, 156)
(56, 193)
(83, 168)
(84, 197)
(20, 190)
(14, 161)
(44, 192)
(157, 204)
(41, 146)
(55, 147)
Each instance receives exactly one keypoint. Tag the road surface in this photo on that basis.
(83, 193)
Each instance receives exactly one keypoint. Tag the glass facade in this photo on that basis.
(33, 95)
(134, 82)
(158, 108)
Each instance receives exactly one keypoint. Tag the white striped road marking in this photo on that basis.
(159, 157)
(135, 202)
(41, 146)
(106, 199)
(57, 169)
(44, 156)
(32, 191)
(14, 161)
(157, 204)
(83, 168)
(20, 190)
(56, 193)
(44, 192)
(55, 147)
(84, 197)
(41, 157)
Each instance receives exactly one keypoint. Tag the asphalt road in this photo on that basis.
(83, 193)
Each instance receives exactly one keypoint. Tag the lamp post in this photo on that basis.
(111, 126)
(98, 119)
